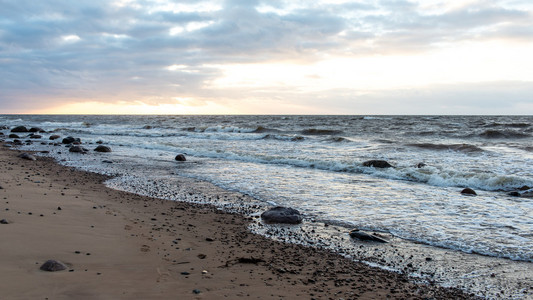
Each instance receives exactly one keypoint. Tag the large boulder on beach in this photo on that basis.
(78, 149)
(53, 266)
(27, 156)
(376, 163)
(363, 236)
(180, 157)
(279, 214)
(14, 136)
(102, 148)
(19, 129)
(70, 140)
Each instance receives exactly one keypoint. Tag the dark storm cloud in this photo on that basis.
(83, 49)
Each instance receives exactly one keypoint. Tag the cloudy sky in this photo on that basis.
(266, 57)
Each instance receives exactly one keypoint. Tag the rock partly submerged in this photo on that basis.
(20, 129)
(283, 215)
(70, 140)
(102, 148)
(180, 157)
(363, 236)
(78, 149)
(376, 163)
(468, 191)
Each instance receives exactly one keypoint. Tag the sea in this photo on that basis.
(316, 164)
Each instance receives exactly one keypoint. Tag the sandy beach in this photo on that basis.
(119, 245)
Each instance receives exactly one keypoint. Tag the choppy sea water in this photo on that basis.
(315, 164)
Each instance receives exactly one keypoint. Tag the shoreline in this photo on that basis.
(137, 246)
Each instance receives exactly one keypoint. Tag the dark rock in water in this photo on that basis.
(147, 127)
(524, 188)
(13, 136)
(107, 161)
(54, 137)
(8, 145)
(4, 221)
(17, 142)
(99, 142)
(19, 129)
(53, 266)
(377, 164)
(281, 214)
(1, 134)
(27, 156)
(102, 149)
(3, 127)
(363, 236)
(70, 140)
(421, 165)
(468, 191)
(36, 129)
(78, 149)
(528, 194)
(35, 136)
(514, 194)
(180, 157)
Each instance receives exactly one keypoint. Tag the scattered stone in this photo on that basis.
(70, 140)
(249, 260)
(420, 165)
(281, 214)
(4, 221)
(78, 149)
(196, 291)
(36, 129)
(59, 208)
(202, 256)
(101, 148)
(180, 157)
(27, 156)
(35, 136)
(377, 164)
(19, 129)
(209, 239)
(107, 161)
(53, 266)
(54, 137)
(13, 136)
(363, 236)
(468, 191)
(185, 273)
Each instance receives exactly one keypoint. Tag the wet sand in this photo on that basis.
(119, 245)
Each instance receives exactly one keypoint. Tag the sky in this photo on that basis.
(266, 57)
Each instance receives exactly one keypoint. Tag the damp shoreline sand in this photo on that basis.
(119, 245)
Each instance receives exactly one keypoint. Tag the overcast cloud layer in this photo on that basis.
(154, 52)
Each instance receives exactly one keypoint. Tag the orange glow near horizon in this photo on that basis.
(139, 108)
